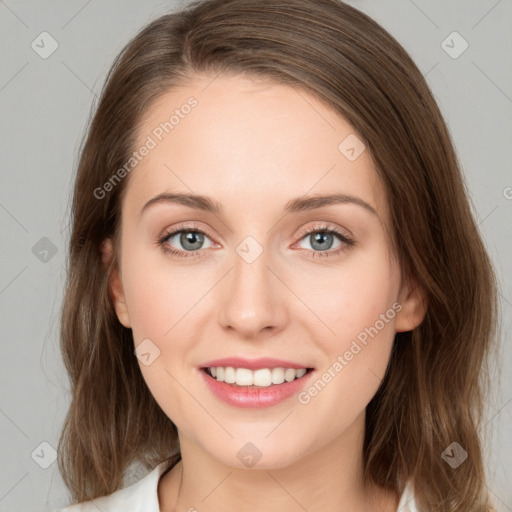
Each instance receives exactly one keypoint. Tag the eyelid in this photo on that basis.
(185, 226)
(325, 226)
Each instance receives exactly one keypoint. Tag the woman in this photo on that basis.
(277, 295)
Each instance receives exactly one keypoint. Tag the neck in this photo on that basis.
(327, 479)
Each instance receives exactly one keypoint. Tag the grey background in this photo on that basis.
(45, 104)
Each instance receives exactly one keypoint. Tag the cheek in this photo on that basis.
(359, 308)
(149, 308)
(158, 294)
(161, 308)
(351, 297)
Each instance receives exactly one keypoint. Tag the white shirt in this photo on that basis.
(143, 497)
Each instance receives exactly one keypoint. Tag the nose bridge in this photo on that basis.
(252, 298)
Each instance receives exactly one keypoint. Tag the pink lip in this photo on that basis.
(252, 364)
(255, 398)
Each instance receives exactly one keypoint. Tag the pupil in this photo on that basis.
(319, 238)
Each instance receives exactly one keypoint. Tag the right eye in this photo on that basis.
(191, 240)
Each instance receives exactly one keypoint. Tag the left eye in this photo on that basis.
(322, 240)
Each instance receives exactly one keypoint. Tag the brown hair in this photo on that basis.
(433, 391)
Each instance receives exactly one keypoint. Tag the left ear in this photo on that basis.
(414, 302)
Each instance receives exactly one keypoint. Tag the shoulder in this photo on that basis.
(139, 497)
(407, 501)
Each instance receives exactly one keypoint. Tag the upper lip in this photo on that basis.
(253, 364)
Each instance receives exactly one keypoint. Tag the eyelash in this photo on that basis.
(191, 228)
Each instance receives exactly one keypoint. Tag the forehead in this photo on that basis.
(251, 144)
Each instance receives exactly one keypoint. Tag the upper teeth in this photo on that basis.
(262, 377)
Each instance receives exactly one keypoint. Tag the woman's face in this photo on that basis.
(262, 279)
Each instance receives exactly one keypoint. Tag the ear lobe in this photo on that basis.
(115, 285)
(414, 302)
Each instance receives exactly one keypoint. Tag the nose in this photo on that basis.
(253, 299)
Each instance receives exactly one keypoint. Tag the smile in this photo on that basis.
(262, 377)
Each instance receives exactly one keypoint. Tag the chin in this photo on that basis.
(249, 452)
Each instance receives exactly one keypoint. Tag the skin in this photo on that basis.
(253, 145)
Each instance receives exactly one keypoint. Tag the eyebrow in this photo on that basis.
(299, 204)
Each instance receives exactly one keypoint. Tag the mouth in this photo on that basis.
(255, 383)
(239, 377)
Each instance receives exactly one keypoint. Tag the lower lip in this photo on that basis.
(255, 398)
